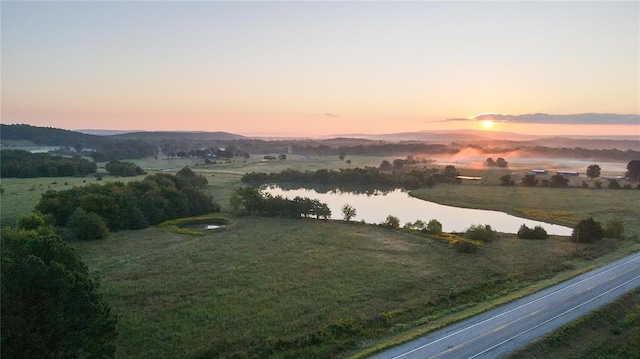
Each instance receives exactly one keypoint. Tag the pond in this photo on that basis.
(374, 208)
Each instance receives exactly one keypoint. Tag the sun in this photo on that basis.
(487, 124)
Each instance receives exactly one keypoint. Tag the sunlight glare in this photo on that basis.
(487, 124)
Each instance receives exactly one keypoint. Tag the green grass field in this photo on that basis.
(269, 284)
(564, 206)
(269, 287)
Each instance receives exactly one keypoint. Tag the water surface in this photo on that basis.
(374, 208)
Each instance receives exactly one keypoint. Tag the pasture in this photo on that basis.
(281, 288)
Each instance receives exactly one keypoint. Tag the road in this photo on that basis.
(504, 329)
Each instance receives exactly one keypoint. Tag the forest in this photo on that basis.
(24, 164)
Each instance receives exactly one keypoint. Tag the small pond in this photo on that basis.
(374, 208)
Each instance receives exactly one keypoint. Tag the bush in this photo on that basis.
(391, 222)
(506, 180)
(536, 233)
(613, 184)
(480, 233)
(587, 230)
(418, 225)
(529, 180)
(434, 227)
(466, 246)
(86, 225)
(614, 228)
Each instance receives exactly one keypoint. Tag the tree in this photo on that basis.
(450, 173)
(434, 227)
(125, 169)
(348, 212)
(536, 233)
(418, 225)
(558, 180)
(506, 180)
(587, 230)
(593, 171)
(87, 225)
(342, 156)
(51, 308)
(398, 164)
(385, 166)
(480, 233)
(633, 170)
(490, 162)
(282, 157)
(529, 180)
(391, 222)
(501, 162)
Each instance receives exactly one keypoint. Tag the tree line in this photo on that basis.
(125, 169)
(24, 164)
(134, 205)
(250, 200)
(384, 176)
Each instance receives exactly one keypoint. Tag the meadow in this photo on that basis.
(271, 287)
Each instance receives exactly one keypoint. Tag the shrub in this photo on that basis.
(434, 227)
(86, 225)
(391, 222)
(613, 184)
(587, 230)
(466, 246)
(418, 225)
(480, 233)
(536, 233)
(614, 228)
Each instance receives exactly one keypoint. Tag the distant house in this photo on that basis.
(568, 174)
(538, 172)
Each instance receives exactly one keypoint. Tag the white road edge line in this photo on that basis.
(514, 309)
(556, 317)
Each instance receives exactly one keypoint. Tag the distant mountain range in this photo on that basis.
(91, 138)
(177, 135)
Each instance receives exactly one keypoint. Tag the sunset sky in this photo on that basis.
(322, 68)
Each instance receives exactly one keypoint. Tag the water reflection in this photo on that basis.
(374, 205)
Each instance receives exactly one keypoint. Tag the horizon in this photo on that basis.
(321, 69)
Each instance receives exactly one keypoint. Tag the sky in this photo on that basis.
(302, 68)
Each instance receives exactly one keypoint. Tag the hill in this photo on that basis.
(153, 136)
(49, 136)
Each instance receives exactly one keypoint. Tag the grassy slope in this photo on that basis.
(214, 295)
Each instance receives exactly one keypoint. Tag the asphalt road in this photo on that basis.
(504, 329)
